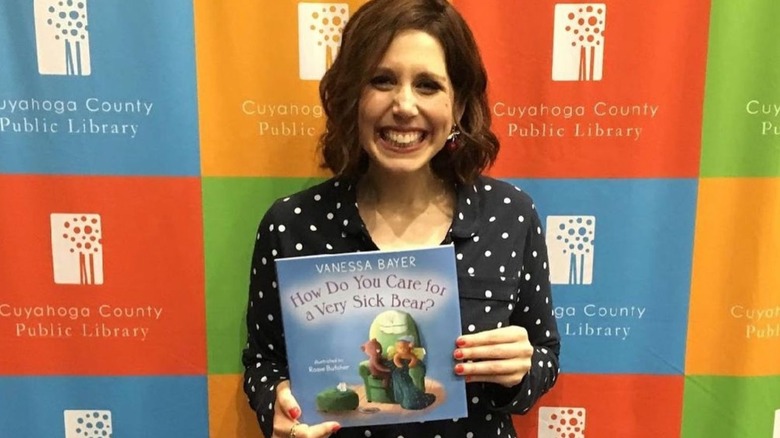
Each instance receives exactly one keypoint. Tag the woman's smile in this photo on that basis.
(401, 141)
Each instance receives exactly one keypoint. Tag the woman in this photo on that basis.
(407, 137)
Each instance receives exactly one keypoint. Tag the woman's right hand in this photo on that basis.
(287, 412)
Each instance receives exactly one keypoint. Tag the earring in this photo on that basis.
(452, 140)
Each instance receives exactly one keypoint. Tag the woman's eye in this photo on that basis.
(429, 86)
(381, 81)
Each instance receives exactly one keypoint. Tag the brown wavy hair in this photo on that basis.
(366, 37)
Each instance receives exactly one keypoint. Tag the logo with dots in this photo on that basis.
(320, 26)
(77, 248)
(88, 424)
(578, 41)
(570, 243)
(561, 422)
(62, 37)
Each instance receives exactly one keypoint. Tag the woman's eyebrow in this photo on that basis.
(434, 76)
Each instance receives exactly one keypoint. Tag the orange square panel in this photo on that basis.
(734, 319)
(101, 276)
(229, 413)
(259, 67)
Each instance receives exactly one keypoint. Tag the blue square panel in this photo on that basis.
(103, 407)
(98, 87)
(620, 255)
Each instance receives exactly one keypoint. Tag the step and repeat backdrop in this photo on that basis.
(141, 142)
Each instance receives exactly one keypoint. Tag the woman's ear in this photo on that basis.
(460, 109)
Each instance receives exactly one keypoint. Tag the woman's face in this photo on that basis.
(405, 112)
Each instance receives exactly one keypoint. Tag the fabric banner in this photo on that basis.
(141, 142)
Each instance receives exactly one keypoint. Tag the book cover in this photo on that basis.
(370, 335)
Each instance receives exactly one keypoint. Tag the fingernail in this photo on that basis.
(294, 413)
(460, 343)
(458, 354)
(459, 369)
(335, 429)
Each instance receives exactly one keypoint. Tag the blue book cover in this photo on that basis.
(370, 335)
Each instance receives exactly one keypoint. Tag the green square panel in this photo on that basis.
(741, 133)
(232, 209)
(731, 407)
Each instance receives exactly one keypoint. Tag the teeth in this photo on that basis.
(402, 137)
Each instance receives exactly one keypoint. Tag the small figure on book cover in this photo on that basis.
(403, 350)
(376, 366)
(406, 393)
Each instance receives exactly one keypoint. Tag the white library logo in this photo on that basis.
(88, 424)
(320, 26)
(776, 433)
(77, 248)
(557, 422)
(62, 37)
(578, 41)
(570, 243)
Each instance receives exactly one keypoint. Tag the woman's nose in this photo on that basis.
(405, 102)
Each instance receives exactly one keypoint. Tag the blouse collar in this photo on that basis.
(465, 222)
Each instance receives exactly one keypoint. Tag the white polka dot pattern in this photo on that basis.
(497, 234)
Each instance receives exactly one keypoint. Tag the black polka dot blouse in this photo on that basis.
(503, 279)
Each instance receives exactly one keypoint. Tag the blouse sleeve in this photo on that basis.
(265, 357)
(534, 312)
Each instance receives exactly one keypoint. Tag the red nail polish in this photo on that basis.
(294, 413)
(335, 429)
(459, 369)
(460, 343)
(458, 354)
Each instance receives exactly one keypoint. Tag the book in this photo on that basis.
(370, 335)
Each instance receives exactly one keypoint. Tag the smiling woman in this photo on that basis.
(407, 138)
(406, 112)
(446, 64)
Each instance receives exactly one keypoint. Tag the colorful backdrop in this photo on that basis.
(141, 142)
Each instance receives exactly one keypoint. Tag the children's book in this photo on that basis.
(370, 335)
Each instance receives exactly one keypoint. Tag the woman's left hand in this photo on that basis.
(501, 356)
